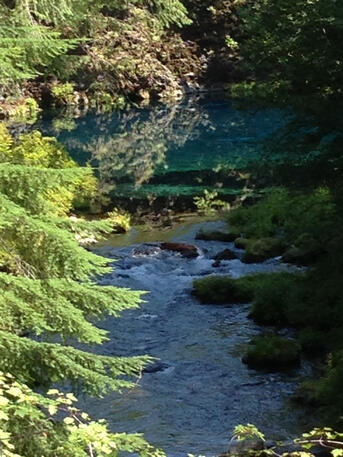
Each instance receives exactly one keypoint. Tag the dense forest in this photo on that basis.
(110, 55)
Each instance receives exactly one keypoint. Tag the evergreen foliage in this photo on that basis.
(293, 53)
(37, 35)
(49, 300)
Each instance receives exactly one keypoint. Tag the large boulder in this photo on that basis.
(186, 250)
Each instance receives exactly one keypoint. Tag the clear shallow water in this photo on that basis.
(204, 389)
(167, 152)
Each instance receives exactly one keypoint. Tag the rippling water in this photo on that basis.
(203, 389)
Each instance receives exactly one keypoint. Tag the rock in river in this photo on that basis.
(242, 448)
(186, 250)
(227, 254)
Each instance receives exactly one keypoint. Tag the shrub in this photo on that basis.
(273, 294)
(272, 352)
(120, 221)
(286, 215)
(63, 93)
(221, 290)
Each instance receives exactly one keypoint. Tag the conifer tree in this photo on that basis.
(49, 298)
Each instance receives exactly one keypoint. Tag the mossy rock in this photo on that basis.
(241, 243)
(262, 249)
(221, 290)
(301, 256)
(305, 251)
(216, 236)
(272, 352)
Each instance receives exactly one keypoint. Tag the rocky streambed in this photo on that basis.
(190, 400)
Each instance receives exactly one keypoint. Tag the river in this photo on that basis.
(200, 389)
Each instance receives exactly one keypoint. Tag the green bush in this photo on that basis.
(325, 392)
(289, 216)
(221, 290)
(272, 352)
(273, 294)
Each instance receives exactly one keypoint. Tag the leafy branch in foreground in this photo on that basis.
(29, 422)
(251, 442)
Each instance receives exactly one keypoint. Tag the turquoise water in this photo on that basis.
(169, 151)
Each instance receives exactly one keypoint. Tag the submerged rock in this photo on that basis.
(155, 367)
(186, 250)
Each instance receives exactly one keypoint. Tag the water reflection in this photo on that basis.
(169, 152)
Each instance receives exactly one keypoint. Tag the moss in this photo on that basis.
(262, 249)
(222, 290)
(241, 243)
(272, 352)
(217, 236)
(268, 292)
